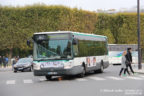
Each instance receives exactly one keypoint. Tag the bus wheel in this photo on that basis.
(101, 69)
(81, 75)
(48, 77)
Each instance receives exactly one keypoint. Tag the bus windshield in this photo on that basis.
(52, 49)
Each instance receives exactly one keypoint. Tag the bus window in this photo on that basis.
(75, 50)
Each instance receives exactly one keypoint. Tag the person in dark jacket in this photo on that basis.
(0, 61)
(6, 61)
(129, 59)
(14, 62)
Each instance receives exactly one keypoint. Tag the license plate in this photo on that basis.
(51, 64)
(52, 73)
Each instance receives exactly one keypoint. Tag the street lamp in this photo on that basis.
(138, 31)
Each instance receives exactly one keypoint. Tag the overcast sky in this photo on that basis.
(91, 5)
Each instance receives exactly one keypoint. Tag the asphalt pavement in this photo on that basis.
(99, 84)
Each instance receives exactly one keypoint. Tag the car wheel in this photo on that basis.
(15, 71)
(48, 77)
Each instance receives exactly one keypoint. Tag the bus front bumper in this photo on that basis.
(58, 71)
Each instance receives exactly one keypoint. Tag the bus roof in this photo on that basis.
(76, 33)
(122, 47)
(123, 44)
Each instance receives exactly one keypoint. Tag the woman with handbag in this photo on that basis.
(124, 64)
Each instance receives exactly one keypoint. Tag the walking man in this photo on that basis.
(129, 59)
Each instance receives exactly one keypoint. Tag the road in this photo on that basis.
(99, 84)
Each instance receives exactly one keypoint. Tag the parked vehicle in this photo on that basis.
(23, 64)
(116, 51)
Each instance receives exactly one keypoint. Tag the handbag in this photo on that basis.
(127, 62)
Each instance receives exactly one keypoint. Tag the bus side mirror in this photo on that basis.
(28, 43)
(75, 42)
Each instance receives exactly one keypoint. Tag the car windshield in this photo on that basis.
(24, 60)
(52, 49)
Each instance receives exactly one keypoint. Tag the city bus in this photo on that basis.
(66, 53)
(116, 51)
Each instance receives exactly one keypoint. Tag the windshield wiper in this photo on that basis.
(42, 60)
(52, 58)
(45, 59)
(63, 56)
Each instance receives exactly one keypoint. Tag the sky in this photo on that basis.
(91, 5)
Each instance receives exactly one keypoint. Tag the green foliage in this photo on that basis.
(17, 24)
(121, 28)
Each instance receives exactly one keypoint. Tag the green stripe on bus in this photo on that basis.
(52, 61)
(89, 35)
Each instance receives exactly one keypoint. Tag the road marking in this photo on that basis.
(141, 76)
(114, 78)
(134, 78)
(96, 78)
(42, 79)
(81, 79)
(10, 82)
(28, 81)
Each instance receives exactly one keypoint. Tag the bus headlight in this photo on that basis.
(68, 65)
(36, 66)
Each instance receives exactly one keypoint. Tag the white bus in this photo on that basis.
(116, 51)
(68, 53)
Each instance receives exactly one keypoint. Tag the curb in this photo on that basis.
(135, 68)
(139, 71)
(5, 69)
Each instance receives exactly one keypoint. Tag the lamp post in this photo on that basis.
(139, 38)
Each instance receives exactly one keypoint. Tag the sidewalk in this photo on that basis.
(9, 68)
(135, 68)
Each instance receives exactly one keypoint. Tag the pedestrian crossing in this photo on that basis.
(81, 79)
(28, 81)
(135, 78)
(97, 78)
(85, 79)
(10, 82)
(115, 78)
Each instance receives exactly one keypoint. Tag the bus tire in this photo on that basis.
(81, 75)
(101, 68)
(48, 77)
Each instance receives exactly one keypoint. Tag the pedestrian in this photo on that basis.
(123, 64)
(14, 62)
(0, 61)
(4, 61)
(129, 59)
(18, 57)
